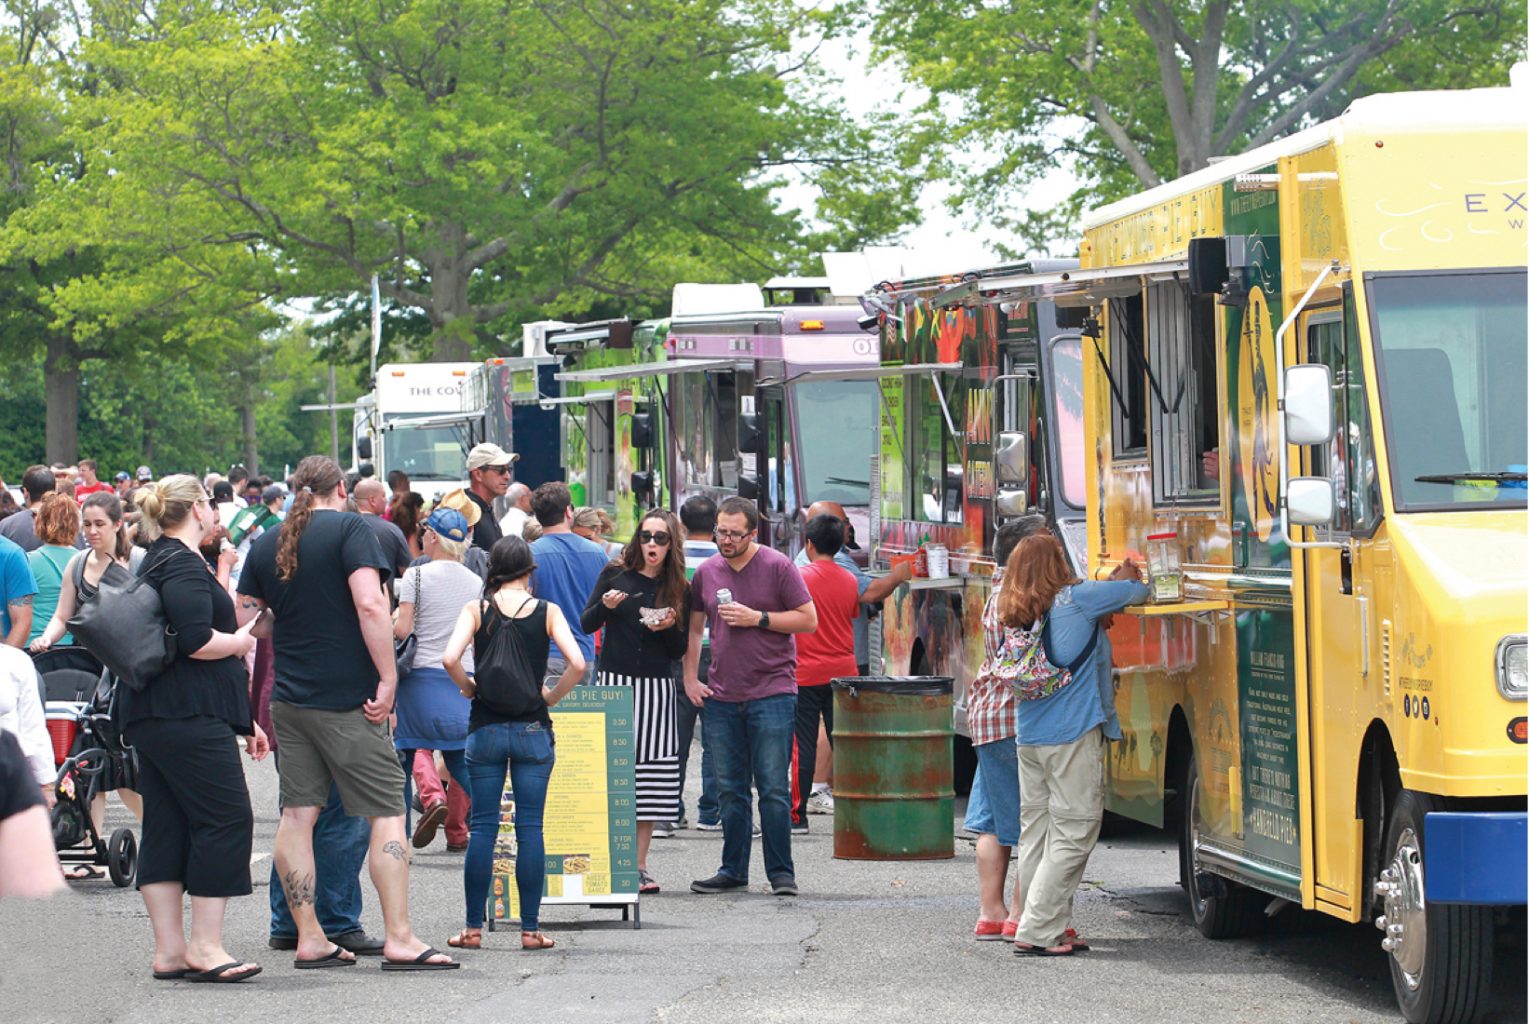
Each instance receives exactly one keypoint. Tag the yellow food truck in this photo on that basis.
(1304, 404)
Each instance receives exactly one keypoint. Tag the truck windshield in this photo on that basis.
(836, 433)
(426, 453)
(1451, 352)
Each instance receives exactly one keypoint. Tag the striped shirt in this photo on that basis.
(991, 713)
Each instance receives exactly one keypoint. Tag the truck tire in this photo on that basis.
(1221, 908)
(1440, 955)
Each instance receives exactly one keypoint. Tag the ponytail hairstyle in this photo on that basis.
(315, 477)
(166, 503)
(1037, 570)
(109, 503)
(509, 560)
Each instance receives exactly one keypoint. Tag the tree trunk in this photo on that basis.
(61, 389)
(251, 445)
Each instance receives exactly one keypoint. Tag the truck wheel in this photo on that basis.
(1440, 955)
(1222, 909)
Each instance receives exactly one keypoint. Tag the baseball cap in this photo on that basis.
(459, 501)
(124, 475)
(271, 493)
(448, 523)
(489, 455)
(144, 473)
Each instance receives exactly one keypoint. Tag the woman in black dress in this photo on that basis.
(642, 601)
(197, 823)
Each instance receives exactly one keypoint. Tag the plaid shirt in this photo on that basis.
(991, 713)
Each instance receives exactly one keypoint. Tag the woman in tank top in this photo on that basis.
(518, 746)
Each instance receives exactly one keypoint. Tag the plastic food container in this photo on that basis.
(939, 561)
(1164, 568)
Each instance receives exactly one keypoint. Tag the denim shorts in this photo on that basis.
(994, 804)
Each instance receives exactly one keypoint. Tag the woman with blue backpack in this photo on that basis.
(1066, 702)
(509, 729)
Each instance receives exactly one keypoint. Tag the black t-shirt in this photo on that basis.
(632, 649)
(18, 787)
(395, 546)
(195, 606)
(321, 656)
(486, 533)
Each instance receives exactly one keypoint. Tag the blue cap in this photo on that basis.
(448, 523)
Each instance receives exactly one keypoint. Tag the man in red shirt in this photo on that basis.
(88, 482)
(821, 656)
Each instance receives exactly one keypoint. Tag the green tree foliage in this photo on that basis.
(1127, 95)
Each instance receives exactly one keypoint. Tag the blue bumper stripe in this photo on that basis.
(1476, 858)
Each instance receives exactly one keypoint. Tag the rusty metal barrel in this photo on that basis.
(894, 792)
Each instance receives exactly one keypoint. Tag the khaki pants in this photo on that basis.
(1061, 805)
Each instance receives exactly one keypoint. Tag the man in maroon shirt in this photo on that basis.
(753, 599)
(823, 655)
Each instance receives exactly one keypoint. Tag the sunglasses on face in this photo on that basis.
(653, 537)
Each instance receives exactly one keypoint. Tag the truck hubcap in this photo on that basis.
(1400, 888)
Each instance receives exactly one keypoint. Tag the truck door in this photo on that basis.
(1339, 620)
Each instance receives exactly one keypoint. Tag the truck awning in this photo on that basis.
(444, 419)
(657, 369)
(589, 399)
(1065, 288)
(866, 373)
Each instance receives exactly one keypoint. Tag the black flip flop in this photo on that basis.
(420, 963)
(175, 975)
(332, 959)
(1023, 950)
(219, 975)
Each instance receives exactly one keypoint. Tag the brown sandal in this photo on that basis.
(467, 938)
(535, 940)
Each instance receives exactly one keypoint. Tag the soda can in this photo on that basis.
(724, 596)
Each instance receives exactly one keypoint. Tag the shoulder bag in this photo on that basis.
(405, 649)
(124, 626)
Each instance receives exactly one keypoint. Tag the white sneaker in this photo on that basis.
(820, 801)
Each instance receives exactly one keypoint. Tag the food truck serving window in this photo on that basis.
(1127, 370)
(1181, 375)
(935, 455)
(1451, 358)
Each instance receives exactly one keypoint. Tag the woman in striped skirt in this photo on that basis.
(642, 602)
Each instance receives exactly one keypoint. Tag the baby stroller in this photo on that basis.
(79, 698)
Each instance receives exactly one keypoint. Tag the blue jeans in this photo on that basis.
(524, 751)
(751, 741)
(339, 849)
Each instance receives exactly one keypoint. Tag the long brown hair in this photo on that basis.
(315, 476)
(1037, 570)
(671, 574)
(110, 504)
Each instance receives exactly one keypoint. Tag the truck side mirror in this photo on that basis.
(642, 430)
(364, 447)
(748, 486)
(1011, 504)
(1309, 404)
(1309, 501)
(1011, 460)
(749, 440)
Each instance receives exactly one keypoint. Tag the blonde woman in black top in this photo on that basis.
(641, 601)
(197, 823)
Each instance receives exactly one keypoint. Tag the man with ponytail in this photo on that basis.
(321, 572)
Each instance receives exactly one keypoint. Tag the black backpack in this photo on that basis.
(506, 682)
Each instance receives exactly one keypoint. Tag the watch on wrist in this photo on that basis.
(764, 620)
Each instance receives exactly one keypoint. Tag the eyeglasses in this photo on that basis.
(730, 534)
(653, 537)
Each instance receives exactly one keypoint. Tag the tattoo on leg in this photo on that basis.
(393, 848)
(299, 889)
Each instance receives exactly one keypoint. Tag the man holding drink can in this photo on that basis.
(753, 599)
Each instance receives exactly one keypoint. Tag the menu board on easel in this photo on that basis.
(590, 824)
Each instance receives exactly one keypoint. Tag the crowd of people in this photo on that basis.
(381, 649)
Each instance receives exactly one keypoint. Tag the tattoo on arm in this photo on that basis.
(393, 848)
(24, 601)
(299, 889)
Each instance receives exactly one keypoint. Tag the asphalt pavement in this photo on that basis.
(883, 941)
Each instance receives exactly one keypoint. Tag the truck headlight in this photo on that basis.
(1513, 667)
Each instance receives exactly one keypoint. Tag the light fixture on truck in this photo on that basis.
(1513, 667)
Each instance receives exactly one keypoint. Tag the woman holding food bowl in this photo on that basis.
(509, 729)
(642, 602)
